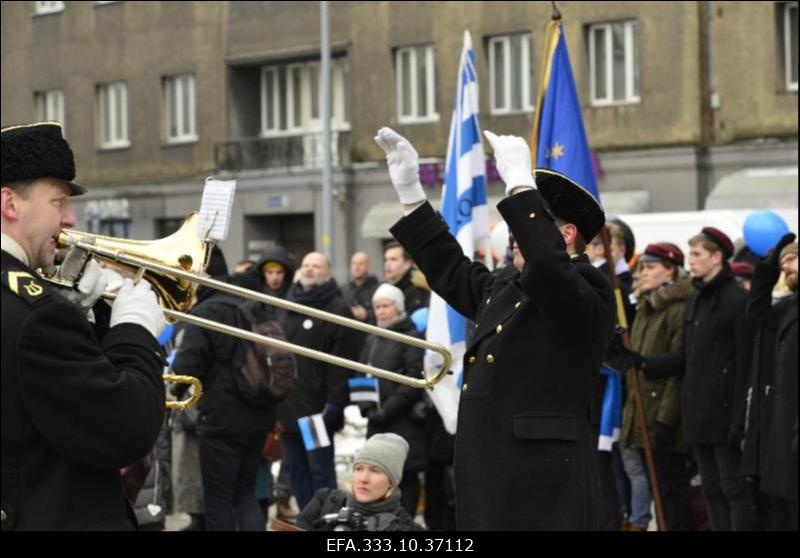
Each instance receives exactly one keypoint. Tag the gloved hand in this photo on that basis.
(513, 159)
(376, 417)
(137, 304)
(774, 256)
(621, 358)
(79, 266)
(663, 436)
(403, 162)
(333, 417)
(89, 288)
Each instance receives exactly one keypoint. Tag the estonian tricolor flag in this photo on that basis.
(313, 431)
(364, 389)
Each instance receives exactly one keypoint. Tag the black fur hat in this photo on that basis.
(37, 150)
(571, 202)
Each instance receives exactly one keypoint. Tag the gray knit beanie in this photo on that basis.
(388, 451)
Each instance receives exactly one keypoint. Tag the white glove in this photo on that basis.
(403, 162)
(92, 283)
(513, 159)
(138, 304)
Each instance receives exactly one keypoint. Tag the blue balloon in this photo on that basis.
(420, 319)
(763, 230)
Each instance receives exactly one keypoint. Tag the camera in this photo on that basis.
(346, 519)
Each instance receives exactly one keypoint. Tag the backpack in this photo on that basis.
(266, 374)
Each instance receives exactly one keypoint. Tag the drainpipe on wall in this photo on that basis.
(709, 103)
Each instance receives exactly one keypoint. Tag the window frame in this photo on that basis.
(528, 104)
(49, 7)
(180, 81)
(117, 140)
(49, 101)
(630, 45)
(430, 76)
(307, 123)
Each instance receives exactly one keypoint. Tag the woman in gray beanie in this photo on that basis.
(395, 410)
(373, 501)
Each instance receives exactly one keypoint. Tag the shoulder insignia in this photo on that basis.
(24, 285)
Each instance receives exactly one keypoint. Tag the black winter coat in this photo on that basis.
(761, 322)
(717, 357)
(361, 295)
(416, 297)
(524, 457)
(318, 383)
(213, 358)
(398, 400)
(780, 467)
(326, 502)
(75, 409)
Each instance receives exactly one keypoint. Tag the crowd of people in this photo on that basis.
(707, 356)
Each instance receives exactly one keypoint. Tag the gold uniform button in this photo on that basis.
(488, 300)
(465, 387)
(517, 305)
(490, 359)
(499, 329)
(532, 215)
(471, 359)
(476, 325)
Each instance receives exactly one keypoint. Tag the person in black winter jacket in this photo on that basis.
(373, 501)
(771, 420)
(715, 356)
(231, 430)
(321, 387)
(397, 401)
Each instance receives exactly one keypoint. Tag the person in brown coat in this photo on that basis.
(658, 330)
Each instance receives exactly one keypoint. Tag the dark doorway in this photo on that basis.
(293, 232)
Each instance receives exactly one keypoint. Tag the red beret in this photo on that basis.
(663, 251)
(720, 239)
(742, 269)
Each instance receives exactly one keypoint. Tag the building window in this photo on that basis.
(179, 109)
(415, 69)
(511, 74)
(291, 98)
(50, 107)
(113, 104)
(790, 45)
(613, 63)
(43, 8)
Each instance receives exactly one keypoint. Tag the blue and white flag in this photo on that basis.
(611, 418)
(364, 389)
(465, 211)
(313, 432)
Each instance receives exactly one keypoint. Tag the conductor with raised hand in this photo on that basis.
(523, 458)
(79, 402)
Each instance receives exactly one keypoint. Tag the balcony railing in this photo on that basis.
(287, 152)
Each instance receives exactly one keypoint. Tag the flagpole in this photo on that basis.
(551, 41)
(633, 376)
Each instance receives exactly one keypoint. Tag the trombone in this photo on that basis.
(175, 265)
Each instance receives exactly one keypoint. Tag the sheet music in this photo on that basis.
(215, 209)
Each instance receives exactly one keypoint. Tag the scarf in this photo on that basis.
(318, 297)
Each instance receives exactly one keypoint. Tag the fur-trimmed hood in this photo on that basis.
(667, 294)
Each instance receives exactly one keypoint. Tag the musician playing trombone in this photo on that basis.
(523, 458)
(79, 401)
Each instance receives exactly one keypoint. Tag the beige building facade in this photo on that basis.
(156, 96)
